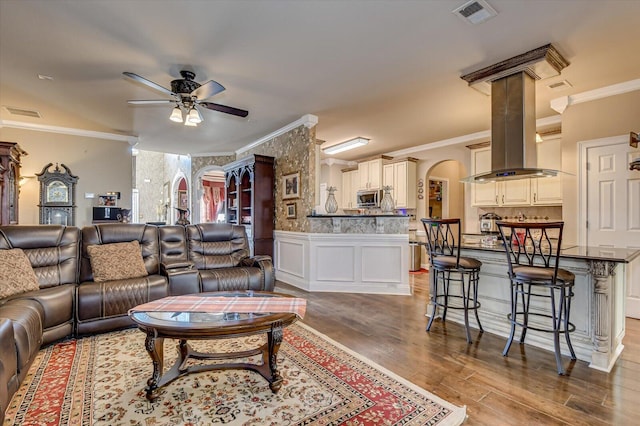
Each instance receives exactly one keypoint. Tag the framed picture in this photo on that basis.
(291, 211)
(182, 199)
(107, 200)
(291, 186)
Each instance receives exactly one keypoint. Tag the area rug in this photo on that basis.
(419, 272)
(100, 380)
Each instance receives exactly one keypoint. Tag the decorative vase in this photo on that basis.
(331, 205)
(387, 205)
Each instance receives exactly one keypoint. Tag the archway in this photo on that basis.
(209, 196)
(444, 191)
(179, 196)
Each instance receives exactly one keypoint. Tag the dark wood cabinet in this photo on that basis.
(249, 189)
(10, 153)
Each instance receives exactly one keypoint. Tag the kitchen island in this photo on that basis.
(597, 307)
(346, 253)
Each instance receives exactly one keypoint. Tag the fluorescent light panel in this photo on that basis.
(346, 145)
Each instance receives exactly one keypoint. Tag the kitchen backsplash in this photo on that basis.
(534, 212)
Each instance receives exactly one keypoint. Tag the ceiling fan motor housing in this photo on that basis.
(186, 85)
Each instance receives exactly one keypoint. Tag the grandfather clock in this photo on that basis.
(57, 196)
(10, 153)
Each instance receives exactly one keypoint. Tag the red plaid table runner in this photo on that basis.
(214, 304)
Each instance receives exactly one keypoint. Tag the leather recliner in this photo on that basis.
(217, 259)
(29, 320)
(103, 306)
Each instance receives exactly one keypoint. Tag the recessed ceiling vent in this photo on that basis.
(23, 112)
(560, 85)
(475, 11)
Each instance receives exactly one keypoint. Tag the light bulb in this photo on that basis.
(176, 115)
(194, 116)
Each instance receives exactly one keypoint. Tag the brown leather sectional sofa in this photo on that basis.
(178, 260)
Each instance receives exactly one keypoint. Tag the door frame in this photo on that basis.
(583, 147)
(445, 194)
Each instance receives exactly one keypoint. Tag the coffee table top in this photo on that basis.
(185, 324)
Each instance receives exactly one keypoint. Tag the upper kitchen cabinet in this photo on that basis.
(401, 176)
(492, 194)
(370, 174)
(548, 191)
(350, 185)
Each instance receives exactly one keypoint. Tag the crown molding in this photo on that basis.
(331, 161)
(213, 154)
(131, 140)
(562, 103)
(308, 121)
(467, 139)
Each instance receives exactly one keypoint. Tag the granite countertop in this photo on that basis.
(610, 254)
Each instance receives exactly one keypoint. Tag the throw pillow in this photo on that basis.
(16, 273)
(116, 261)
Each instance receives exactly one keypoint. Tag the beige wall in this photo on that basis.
(612, 116)
(101, 166)
(453, 171)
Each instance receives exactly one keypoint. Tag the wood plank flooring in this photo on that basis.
(521, 389)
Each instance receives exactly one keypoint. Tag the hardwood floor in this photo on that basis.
(521, 389)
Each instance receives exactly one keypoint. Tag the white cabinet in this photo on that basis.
(506, 193)
(350, 184)
(370, 174)
(401, 176)
(548, 191)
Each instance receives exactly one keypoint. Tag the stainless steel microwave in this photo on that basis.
(369, 198)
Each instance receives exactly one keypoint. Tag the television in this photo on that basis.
(106, 213)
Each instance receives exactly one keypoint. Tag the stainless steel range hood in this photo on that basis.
(513, 118)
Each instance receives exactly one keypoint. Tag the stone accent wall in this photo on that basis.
(198, 163)
(149, 178)
(294, 151)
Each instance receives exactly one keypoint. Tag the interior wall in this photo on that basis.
(294, 151)
(101, 165)
(430, 158)
(612, 116)
(149, 181)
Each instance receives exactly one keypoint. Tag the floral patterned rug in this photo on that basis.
(100, 380)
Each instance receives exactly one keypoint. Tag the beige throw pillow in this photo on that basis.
(16, 273)
(117, 261)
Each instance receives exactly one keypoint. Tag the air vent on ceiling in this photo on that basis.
(475, 11)
(23, 112)
(560, 85)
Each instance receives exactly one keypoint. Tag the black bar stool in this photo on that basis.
(533, 253)
(447, 268)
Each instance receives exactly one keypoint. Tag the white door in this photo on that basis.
(613, 208)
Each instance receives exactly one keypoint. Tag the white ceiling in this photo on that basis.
(386, 70)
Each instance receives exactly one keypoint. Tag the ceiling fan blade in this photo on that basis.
(151, 101)
(149, 83)
(207, 90)
(225, 109)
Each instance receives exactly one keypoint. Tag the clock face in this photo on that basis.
(57, 192)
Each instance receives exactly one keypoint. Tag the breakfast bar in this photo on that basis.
(346, 253)
(597, 308)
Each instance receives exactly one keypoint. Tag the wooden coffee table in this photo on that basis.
(185, 326)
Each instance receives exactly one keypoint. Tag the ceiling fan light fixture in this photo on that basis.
(194, 116)
(176, 115)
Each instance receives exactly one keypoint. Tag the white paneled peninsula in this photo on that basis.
(346, 253)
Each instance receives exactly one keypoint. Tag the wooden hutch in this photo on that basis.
(10, 153)
(249, 189)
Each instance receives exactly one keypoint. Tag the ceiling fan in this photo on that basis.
(187, 96)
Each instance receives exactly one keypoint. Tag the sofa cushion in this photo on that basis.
(116, 261)
(16, 273)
